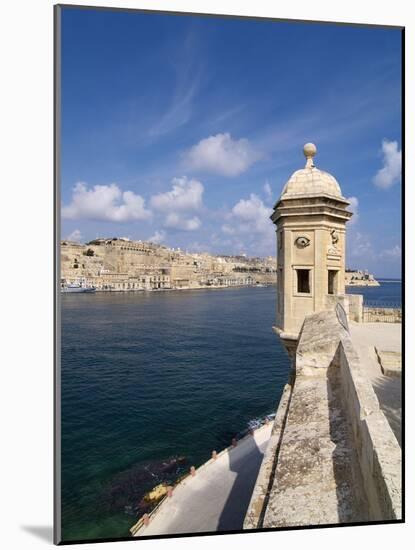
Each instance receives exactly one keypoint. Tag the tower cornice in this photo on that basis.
(318, 205)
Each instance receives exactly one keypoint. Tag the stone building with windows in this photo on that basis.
(119, 264)
(310, 218)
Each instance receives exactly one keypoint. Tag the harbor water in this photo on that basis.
(149, 376)
(388, 294)
(152, 382)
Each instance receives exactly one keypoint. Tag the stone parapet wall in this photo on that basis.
(352, 304)
(258, 503)
(331, 442)
(355, 307)
(360, 313)
(318, 342)
(331, 300)
(378, 450)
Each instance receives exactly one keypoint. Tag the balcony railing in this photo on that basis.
(382, 312)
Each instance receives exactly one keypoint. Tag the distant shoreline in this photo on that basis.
(157, 290)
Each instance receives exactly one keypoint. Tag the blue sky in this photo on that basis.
(184, 129)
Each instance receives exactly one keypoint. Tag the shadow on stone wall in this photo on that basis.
(236, 505)
(351, 500)
(389, 394)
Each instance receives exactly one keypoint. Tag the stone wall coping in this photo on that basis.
(257, 505)
(324, 344)
(379, 451)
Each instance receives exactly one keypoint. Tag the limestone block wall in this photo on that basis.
(258, 503)
(319, 256)
(355, 307)
(377, 447)
(352, 304)
(332, 397)
(318, 342)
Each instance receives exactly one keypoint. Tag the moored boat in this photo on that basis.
(77, 286)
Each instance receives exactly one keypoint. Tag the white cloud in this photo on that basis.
(254, 213)
(158, 237)
(354, 207)
(268, 190)
(175, 221)
(249, 225)
(391, 253)
(179, 204)
(391, 171)
(220, 154)
(105, 202)
(75, 236)
(185, 195)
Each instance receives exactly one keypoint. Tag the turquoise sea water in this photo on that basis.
(151, 376)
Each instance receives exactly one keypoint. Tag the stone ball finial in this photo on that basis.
(309, 150)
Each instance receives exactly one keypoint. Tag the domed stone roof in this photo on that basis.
(310, 180)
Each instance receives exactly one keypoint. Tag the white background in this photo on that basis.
(26, 259)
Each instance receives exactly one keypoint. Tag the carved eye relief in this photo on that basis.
(302, 242)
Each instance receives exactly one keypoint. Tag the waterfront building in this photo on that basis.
(119, 264)
(360, 278)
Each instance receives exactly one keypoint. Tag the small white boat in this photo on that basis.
(78, 286)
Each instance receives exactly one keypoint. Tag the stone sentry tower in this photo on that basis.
(311, 221)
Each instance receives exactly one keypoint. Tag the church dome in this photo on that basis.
(310, 180)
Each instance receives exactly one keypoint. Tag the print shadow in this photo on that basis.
(246, 466)
(43, 532)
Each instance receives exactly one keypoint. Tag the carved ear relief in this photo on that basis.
(302, 241)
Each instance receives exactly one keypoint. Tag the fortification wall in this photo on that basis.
(333, 456)
(378, 450)
(352, 304)
(355, 307)
(112, 264)
(260, 494)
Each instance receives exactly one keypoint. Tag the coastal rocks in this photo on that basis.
(156, 494)
(137, 490)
